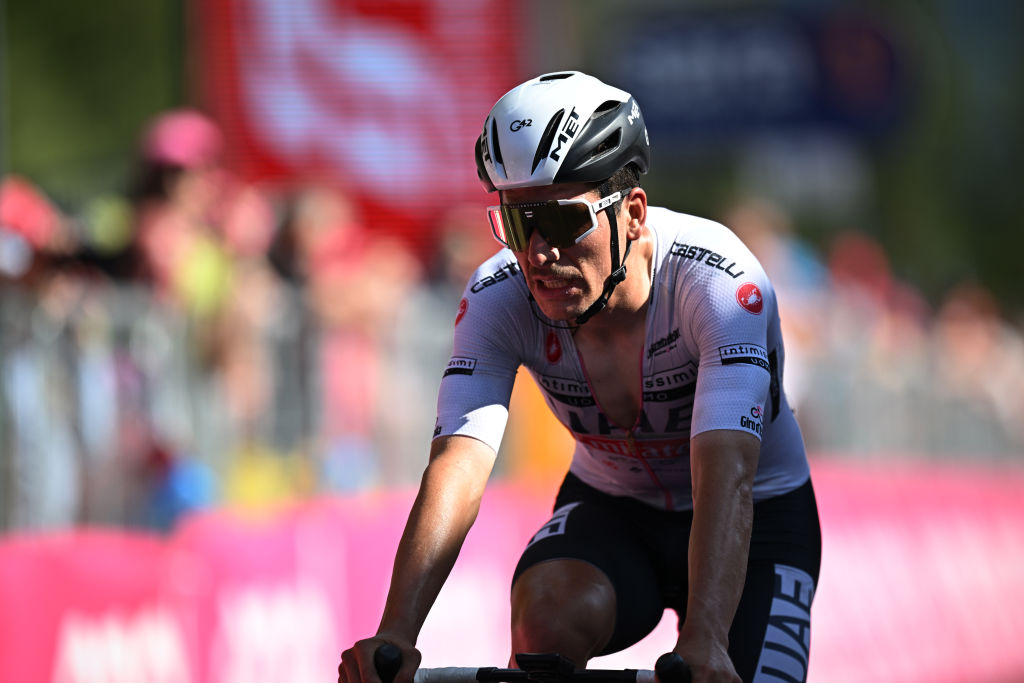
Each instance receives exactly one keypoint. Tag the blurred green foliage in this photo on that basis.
(949, 204)
(80, 79)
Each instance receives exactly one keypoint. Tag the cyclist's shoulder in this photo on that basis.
(495, 297)
(699, 249)
(496, 276)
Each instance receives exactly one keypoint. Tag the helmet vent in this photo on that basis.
(608, 144)
(494, 137)
(554, 77)
(547, 139)
(605, 108)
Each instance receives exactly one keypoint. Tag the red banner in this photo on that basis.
(384, 99)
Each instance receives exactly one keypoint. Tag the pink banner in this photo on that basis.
(259, 615)
(93, 607)
(922, 574)
(921, 578)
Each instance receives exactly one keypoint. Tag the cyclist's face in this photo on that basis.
(564, 281)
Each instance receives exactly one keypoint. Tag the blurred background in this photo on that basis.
(234, 234)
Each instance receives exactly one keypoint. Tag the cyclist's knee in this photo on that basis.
(564, 606)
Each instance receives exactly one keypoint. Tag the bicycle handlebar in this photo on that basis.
(534, 668)
(387, 659)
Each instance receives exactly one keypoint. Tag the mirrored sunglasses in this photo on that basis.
(561, 222)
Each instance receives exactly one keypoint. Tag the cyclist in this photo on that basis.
(655, 339)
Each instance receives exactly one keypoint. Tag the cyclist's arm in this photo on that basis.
(472, 410)
(445, 509)
(723, 463)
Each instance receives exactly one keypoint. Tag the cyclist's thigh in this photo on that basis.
(583, 527)
(770, 636)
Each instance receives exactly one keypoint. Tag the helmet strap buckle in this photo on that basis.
(618, 273)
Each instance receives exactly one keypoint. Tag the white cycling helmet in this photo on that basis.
(563, 127)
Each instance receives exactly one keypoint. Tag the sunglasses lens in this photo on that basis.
(560, 225)
(573, 221)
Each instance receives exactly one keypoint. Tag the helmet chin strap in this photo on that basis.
(618, 273)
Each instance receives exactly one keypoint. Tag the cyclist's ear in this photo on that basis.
(636, 205)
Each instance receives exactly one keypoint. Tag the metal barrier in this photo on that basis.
(120, 407)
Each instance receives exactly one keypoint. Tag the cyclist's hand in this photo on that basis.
(357, 662)
(709, 662)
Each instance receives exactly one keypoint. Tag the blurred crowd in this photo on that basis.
(197, 340)
(872, 368)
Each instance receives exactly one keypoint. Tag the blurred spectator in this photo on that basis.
(800, 278)
(41, 452)
(768, 231)
(421, 340)
(28, 213)
(354, 282)
(978, 376)
(40, 480)
(204, 235)
(184, 487)
(193, 215)
(162, 364)
(32, 228)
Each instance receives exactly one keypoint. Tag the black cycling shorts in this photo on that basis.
(643, 551)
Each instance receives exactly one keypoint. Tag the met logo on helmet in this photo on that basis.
(634, 113)
(569, 130)
(485, 148)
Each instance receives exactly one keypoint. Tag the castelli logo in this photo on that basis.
(749, 297)
(553, 347)
(463, 305)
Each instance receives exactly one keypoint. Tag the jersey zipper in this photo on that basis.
(631, 444)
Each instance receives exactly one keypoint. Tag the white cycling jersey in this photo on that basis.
(712, 359)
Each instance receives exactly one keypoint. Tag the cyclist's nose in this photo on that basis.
(539, 251)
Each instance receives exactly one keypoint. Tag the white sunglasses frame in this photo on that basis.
(592, 207)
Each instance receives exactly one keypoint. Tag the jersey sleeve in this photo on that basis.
(729, 320)
(476, 386)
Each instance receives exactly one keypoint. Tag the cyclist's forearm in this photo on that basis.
(718, 559)
(719, 536)
(444, 511)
